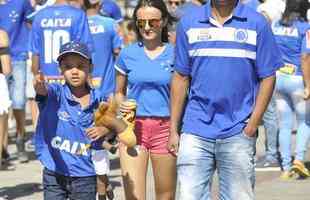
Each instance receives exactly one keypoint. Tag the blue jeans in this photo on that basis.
(59, 187)
(290, 102)
(270, 123)
(233, 158)
(17, 84)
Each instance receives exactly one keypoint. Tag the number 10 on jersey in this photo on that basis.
(52, 43)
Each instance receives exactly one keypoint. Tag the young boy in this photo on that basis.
(66, 121)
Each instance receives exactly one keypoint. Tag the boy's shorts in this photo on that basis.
(101, 161)
(17, 84)
(153, 134)
(5, 102)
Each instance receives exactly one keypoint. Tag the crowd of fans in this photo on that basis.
(51, 49)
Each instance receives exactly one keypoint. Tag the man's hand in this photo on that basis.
(39, 84)
(94, 133)
(173, 142)
(250, 130)
(306, 93)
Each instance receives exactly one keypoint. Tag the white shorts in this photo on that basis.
(5, 102)
(101, 161)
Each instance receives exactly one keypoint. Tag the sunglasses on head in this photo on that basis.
(153, 23)
(177, 3)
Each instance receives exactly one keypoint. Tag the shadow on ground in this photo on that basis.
(21, 190)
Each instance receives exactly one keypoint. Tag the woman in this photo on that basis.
(293, 82)
(145, 68)
(5, 103)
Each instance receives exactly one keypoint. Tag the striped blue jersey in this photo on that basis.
(225, 64)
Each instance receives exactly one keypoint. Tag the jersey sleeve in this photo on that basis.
(268, 55)
(117, 40)
(182, 58)
(120, 65)
(34, 39)
(28, 9)
(53, 94)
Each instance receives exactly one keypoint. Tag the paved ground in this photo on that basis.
(24, 182)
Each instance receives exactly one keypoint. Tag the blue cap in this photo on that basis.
(76, 48)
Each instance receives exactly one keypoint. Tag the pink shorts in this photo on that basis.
(152, 133)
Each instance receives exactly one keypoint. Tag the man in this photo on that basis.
(173, 5)
(227, 57)
(107, 44)
(13, 21)
(53, 26)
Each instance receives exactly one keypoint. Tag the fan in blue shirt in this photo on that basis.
(292, 33)
(13, 21)
(53, 26)
(227, 57)
(107, 44)
(66, 135)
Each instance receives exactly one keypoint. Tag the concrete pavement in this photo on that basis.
(24, 183)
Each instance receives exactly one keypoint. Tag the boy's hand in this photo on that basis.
(39, 84)
(94, 133)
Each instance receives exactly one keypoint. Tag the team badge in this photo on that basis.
(241, 35)
(63, 115)
(204, 35)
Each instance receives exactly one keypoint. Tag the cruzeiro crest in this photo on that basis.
(241, 35)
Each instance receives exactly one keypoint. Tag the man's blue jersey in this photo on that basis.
(106, 39)
(54, 26)
(226, 64)
(293, 41)
(13, 21)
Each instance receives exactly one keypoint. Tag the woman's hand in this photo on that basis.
(173, 142)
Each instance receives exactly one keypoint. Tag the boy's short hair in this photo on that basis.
(74, 47)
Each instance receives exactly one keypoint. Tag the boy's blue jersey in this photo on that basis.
(106, 39)
(54, 26)
(111, 9)
(13, 21)
(148, 79)
(61, 143)
(293, 41)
